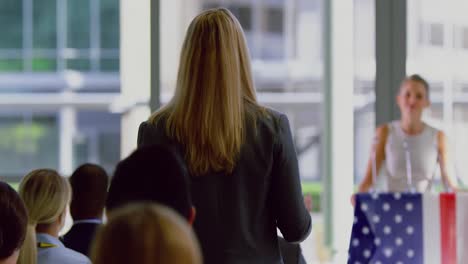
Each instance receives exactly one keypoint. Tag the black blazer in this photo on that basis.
(80, 237)
(238, 214)
(291, 252)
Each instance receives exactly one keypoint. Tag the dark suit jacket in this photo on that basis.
(80, 237)
(291, 252)
(237, 214)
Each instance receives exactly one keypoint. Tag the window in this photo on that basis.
(272, 34)
(110, 30)
(110, 65)
(465, 38)
(244, 14)
(44, 24)
(274, 19)
(97, 139)
(78, 64)
(364, 82)
(431, 34)
(436, 35)
(28, 142)
(449, 104)
(78, 14)
(11, 65)
(11, 24)
(41, 64)
(34, 39)
(30, 136)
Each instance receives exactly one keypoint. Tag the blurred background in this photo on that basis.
(63, 101)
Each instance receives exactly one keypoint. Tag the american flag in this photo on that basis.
(409, 228)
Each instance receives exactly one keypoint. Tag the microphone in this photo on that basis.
(374, 165)
(409, 171)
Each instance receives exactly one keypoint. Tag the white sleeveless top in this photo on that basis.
(423, 156)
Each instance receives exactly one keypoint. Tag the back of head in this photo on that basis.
(213, 95)
(145, 234)
(46, 196)
(153, 174)
(89, 187)
(13, 221)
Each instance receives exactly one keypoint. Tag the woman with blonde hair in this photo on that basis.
(13, 224)
(145, 233)
(245, 178)
(46, 196)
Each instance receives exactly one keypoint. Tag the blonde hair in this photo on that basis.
(46, 196)
(214, 95)
(145, 233)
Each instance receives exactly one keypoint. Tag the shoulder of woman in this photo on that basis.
(441, 139)
(383, 130)
(268, 116)
(270, 113)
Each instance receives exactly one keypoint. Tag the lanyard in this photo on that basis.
(45, 245)
(88, 221)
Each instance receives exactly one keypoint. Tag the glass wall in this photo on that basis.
(51, 35)
(97, 139)
(364, 84)
(28, 141)
(59, 69)
(438, 50)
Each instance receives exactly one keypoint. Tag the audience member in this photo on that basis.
(244, 170)
(152, 174)
(13, 224)
(46, 195)
(145, 234)
(89, 191)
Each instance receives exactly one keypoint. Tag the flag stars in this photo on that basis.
(365, 230)
(409, 230)
(364, 207)
(366, 253)
(386, 207)
(387, 230)
(376, 219)
(397, 196)
(399, 241)
(355, 242)
(409, 207)
(398, 219)
(377, 241)
(388, 252)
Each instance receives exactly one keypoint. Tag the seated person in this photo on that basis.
(13, 224)
(152, 174)
(46, 195)
(146, 233)
(89, 191)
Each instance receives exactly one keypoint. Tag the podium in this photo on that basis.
(413, 228)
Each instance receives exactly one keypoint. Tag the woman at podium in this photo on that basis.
(409, 147)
